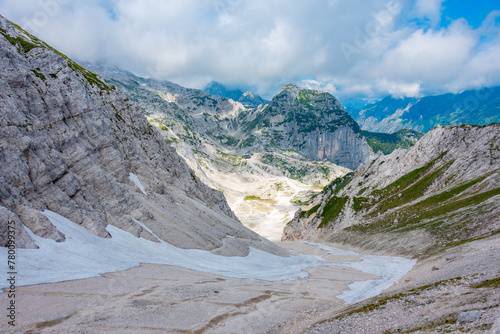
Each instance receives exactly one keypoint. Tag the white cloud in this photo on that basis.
(266, 43)
(429, 56)
(323, 86)
(430, 9)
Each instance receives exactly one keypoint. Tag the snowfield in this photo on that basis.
(84, 255)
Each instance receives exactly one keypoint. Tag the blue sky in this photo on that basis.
(473, 11)
(351, 48)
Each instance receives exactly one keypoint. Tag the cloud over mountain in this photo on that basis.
(356, 47)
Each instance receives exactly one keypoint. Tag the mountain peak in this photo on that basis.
(250, 100)
(290, 86)
(248, 93)
(219, 90)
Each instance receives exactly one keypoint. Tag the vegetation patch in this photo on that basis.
(171, 140)
(416, 190)
(299, 202)
(381, 302)
(258, 199)
(119, 117)
(89, 76)
(306, 121)
(228, 140)
(387, 143)
(303, 97)
(278, 186)
(257, 121)
(309, 212)
(24, 44)
(446, 195)
(232, 159)
(357, 203)
(339, 183)
(252, 198)
(491, 283)
(295, 172)
(437, 220)
(158, 124)
(406, 179)
(332, 210)
(361, 191)
(422, 214)
(38, 74)
(247, 142)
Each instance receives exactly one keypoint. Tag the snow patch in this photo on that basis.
(147, 229)
(84, 254)
(138, 183)
(388, 268)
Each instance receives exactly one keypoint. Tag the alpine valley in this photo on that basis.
(136, 205)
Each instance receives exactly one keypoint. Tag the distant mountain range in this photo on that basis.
(477, 107)
(247, 99)
(312, 123)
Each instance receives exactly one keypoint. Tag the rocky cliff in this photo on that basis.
(439, 193)
(315, 124)
(72, 144)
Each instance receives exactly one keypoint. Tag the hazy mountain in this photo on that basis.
(248, 99)
(479, 107)
(219, 90)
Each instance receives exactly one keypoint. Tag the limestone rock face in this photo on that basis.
(315, 124)
(70, 142)
(442, 191)
(250, 100)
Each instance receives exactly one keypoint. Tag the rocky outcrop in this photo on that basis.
(72, 144)
(250, 100)
(315, 124)
(440, 192)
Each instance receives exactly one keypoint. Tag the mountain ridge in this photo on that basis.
(74, 145)
(247, 99)
(477, 107)
(409, 201)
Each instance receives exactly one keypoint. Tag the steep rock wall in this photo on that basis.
(69, 143)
